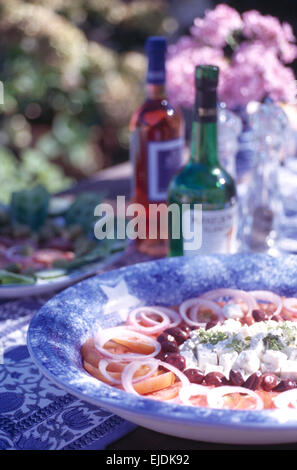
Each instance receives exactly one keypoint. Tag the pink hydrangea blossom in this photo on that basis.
(256, 72)
(239, 85)
(182, 60)
(271, 32)
(257, 67)
(217, 25)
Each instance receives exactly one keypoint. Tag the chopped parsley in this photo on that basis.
(273, 342)
(212, 337)
(239, 345)
(290, 334)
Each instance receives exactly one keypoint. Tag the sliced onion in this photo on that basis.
(131, 368)
(192, 390)
(102, 366)
(194, 305)
(182, 377)
(174, 316)
(284, 399)
(102, 336)
(268, 297)
(290, 305)
(215, 396)
(166, 314)
(235, 294)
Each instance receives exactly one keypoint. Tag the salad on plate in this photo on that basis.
(44, 238)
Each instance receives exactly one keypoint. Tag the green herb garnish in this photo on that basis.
(239, 345)
(212, 337)
(273, 342)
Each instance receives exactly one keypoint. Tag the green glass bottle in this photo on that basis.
(203, 191)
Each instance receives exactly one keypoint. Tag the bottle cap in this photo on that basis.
(156, 53)
(207, 76)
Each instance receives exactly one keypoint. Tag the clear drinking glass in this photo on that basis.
(287, 178)
(229, 130)
(263, 212)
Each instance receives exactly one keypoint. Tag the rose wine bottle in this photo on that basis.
(203, 191)
(156, 148)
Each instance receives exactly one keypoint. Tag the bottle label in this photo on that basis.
(164, 159)
(218, 230)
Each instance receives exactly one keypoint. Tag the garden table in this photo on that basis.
(36, 414)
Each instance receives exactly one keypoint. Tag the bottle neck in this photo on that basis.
(204, 130)
(204, 143)
(155, 91)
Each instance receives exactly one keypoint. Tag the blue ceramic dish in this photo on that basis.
(58, 330)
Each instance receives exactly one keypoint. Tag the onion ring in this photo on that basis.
(101, 337)
(236, 294)
(215, 396)
(186, 393)
(102, 366)
(284, 399)
(288, 305)
(168, 311)
(155, 326)
(194, 304)
(130, 369)
(182, 377)
(269, 297)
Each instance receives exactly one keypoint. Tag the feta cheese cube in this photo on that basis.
(257, 344)
(289, 370)
(205, 357)
(229, 326)
(247, 362)
(189, 356)
(291, 353)
(226, 361)
(256, 328)
(232, 311)
(272, 361)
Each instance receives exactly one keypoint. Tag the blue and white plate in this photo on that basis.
(58, 330)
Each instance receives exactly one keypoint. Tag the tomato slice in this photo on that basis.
(237, 401)
(155, 383)
(166, 393)
(204, 315)
(135, 345)
(90, 354)
(267, 398)
(47, 256)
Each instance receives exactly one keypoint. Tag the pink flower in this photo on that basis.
(239, 84)
(256, 72)
(182, 60)
(256, 69)
(288, 32)
(279, 81)
(217, 25)
(271, 32)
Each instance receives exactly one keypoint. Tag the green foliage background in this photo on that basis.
(73, 73)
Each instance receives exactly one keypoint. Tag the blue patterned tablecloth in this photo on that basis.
(35, 414)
